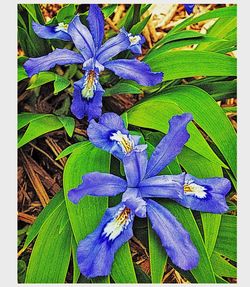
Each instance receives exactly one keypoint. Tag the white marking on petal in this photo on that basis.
(89, 85)
(191, 188)
(134, 39)
(61, 27)
(125, 142)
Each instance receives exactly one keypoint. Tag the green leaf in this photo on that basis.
(68, 123)
(60, 84)
(76, 271)
(66, 13)
(35, 12)
(108, 10)
(41, 79)
(123, 88)
(70, 149)
(183, 64)
(40, 124)
(222, 267)
(26, 43)
(49, 260)
(227, 237)
(138, 27)
(86, 215)
(21, 71)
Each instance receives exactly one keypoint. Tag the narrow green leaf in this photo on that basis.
(66, 13)
(108, 10)
(41, 79)
(138, 27)
(68, 123)
(26, 118)
(222, 267)
(70, 149)
(122, 88)
(76, 271)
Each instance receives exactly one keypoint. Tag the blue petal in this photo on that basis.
(165, 186)
(135, 165)
(95, 253)
(98, 184)
(57, 57)
(96, 24)
(81, 107)
(170, 145)
(49, 32)
(112, 47)
(189, 8)
(215, 190)
(174, 238)
(82, 38)
(136, 49)
(133, 200)
(134, 70)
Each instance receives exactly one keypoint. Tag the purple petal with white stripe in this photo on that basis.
(170, 145)
(174, 238)
(135, 70)
(57, 57)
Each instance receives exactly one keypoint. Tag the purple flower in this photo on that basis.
(143, 183)
(95, 57)
(136, 41)
(189, 8)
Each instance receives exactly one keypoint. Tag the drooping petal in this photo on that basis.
(165, 186)
(135, 165)
(174, 238)
(82, 38)
(134, 70)
(96, 24)
(90, 107)
(170, 145)
(98, 184)
(207, 195)
(133, 200)
(95, 253)
(112, 47)
(57, 57)
(50, 32)
(189, 8)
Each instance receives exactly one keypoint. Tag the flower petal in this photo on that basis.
(189, 8)
(133, 200)
(82, 38)
(112, 47)
(96, 24)
(57, 57)
(170, 145)
(165, 186)
(134, 70)
(135, 164)
(95, 253)
(174, 238)
(49, 32)
(207, 195)
(98, 184)
(81, 107)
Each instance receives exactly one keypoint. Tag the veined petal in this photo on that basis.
(112, 47)
(57, 57)
(96, 24)
(90, 107)
(207, 195)
(165, 186)
(170, 145)
(50, 32)
(98, 184)
(135, 165)
(82, 38)
(174, 238)
(134, 70)
(132, 199)
(95, 253)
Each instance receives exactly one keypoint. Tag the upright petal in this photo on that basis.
(112, 47)
(98, 184)
(133, 200)
(189, 8)
(135, 165)
(174, 238)
(207, 195)
(57, 57)
(82, 38)
(134, 70)
(96, 24)
(165, 186)
(50, 32)
(90, 107)
(95, 253)
(170, 145)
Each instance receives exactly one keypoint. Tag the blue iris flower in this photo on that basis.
(189, 8)
(95, 57)
(95, 253)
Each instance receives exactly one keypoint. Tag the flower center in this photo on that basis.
(61, 27)
(191, 188)
(120, 222)
(124, 141)
(89, 85)
(134, 39)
